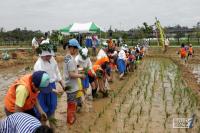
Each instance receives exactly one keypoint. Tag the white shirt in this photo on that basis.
(83, 63)
(101, 54)
(122, 55)
(50, 67)
(167, 42)
(35, 43)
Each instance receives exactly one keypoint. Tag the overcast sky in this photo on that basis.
(47, 15)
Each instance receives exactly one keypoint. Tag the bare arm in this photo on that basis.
(18, 109)
(40, 110)
(76, 75)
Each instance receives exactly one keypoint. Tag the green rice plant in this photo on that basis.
(174, 96)
(177, 110)
(141, 108)
(137, 119)
(89, 129)
(95, 122)
(104, 110)
(133, 126)
(145, 95)
(53, 121)
(111, 100)
(107, 127)
(113, 119)
(167, 115)
(119, 109)
(124, 99)
(149, 111)
(99, 115)
(116, 111)
(165, 105)
(146, 128)
(164, 124)
(185, 111)
(138, 92)
(124, 123)
(163, 96)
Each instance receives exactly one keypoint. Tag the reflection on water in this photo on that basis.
(196, 70)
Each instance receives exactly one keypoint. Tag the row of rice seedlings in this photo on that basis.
(145, 95)
(131, 109)
(124, 122)
(124, 99)
(113, 96)
(163, 95)
(107, 127)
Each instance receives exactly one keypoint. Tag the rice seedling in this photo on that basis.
(177, 110)
(149, 111)
(111, 100)
(133, 126)
(124, 99)
(113, 119)
(163, 96)
(124, 123)
(145, 95)
(99, 115)
(53, 121)
(89, 129)
(107, 127)
(141, 108)
(137, 119)
(167, 115)
(185, 111)
(115, 111)
(165, 105)
(164, 124)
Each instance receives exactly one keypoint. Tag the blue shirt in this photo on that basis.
(19, 123)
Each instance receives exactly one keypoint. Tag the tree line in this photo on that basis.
(143, 31)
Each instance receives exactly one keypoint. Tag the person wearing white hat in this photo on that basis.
(83, 61)
(46, 62)
(121, 61)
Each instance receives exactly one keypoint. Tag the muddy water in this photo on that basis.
(7, 76)
(145, 102)
(196, 70)
(150, 102)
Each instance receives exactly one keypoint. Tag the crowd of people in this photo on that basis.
(35, 95)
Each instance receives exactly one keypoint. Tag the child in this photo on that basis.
(121, 62)
(48, 97)
(71, 76)
(84, 62)
(190, 51)
(183, 52)
(22, 123)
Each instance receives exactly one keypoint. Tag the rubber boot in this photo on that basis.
(71, 110)
(94, 93)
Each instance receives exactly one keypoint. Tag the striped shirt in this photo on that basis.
(19, 123)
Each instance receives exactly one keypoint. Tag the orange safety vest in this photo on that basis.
(101, 61)
(96, 67)
(10, 97)
(183, 52)
(190, 50)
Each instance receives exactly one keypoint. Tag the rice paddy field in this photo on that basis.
(148, 100)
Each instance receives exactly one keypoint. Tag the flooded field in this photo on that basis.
(147, 101)
(196, 70)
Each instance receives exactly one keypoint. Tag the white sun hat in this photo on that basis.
(45, 53)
